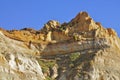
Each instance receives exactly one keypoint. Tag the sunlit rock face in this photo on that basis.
(81, 49)
(17, 62)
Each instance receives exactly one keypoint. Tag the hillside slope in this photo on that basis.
(78, 50)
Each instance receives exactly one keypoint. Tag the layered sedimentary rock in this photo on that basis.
(78, 50)
(17, 61)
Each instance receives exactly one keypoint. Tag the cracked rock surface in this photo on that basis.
(81, 49)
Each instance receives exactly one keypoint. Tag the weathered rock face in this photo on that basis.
(17, 61)
(79, 50)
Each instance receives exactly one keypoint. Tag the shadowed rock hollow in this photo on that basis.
(78, 50)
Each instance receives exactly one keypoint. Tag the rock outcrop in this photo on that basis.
(17, 61)
(78, 50)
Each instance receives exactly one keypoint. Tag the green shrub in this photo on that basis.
(48, 78)
(46, 64)
(74, 56)
(62, 28)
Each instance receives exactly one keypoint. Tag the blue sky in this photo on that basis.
(17, 14)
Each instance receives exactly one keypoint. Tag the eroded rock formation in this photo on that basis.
(78, 50)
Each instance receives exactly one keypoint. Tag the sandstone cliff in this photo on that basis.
(78, 50)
